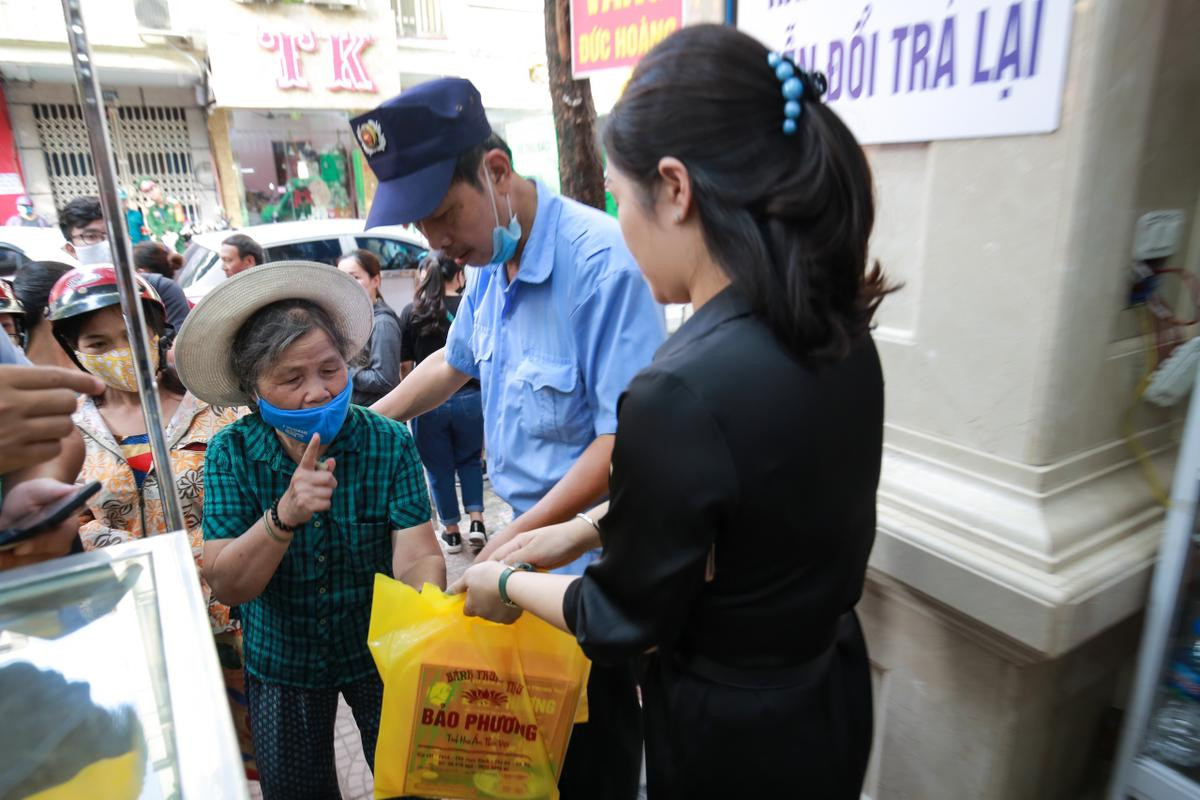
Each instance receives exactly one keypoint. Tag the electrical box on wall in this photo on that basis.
(1157, 235)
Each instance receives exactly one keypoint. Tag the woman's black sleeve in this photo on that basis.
(673, 487)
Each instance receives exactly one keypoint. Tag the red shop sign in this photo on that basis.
(617, 33)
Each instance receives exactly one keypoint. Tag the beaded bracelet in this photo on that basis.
(278, 522)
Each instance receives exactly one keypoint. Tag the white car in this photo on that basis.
(399, 251)
(19, 245)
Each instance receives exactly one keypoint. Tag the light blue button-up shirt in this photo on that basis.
(554, 349)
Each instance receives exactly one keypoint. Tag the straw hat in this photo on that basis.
(204, 344)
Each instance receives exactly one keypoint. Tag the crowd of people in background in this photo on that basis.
(70, 318)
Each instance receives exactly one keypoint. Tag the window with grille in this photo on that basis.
(148, 142)
(421, 19)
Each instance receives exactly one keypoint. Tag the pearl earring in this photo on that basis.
(678, 216)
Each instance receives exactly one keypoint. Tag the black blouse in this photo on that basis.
(416, 346)
(742, 503)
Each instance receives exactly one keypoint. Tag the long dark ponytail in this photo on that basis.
(429, 302)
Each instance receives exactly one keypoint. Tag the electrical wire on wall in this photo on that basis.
(1162, 333)
(1151, 353)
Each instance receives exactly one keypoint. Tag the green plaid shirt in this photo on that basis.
(309, 626)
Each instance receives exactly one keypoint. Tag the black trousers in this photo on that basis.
(604, 757)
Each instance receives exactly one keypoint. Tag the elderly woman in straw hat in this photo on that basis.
(308, 497)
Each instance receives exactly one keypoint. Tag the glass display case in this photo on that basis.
(109, 681)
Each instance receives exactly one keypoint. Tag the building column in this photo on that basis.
(29, 150)
(1017, 533)
(229, 182)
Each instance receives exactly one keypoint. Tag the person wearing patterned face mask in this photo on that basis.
(85, 315)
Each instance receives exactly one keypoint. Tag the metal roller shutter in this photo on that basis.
(148, 142)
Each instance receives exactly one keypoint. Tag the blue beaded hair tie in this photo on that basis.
(792, 87)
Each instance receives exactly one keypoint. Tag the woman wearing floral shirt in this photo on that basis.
(86, 317)
(129, 506)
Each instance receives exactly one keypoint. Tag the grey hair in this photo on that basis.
(264, 337)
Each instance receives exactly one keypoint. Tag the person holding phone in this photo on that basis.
(35, 413)
(308, 497)
(23, 508)
(42, 512)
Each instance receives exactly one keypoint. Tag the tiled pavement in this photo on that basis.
(354, 778)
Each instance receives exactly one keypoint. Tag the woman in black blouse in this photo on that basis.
(754, 672)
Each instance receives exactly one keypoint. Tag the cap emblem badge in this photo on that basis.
(371, 137)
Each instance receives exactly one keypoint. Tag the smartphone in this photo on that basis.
(48, 518)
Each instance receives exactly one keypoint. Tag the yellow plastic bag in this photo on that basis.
(471, 709)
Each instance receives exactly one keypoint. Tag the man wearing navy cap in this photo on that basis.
(555, 327)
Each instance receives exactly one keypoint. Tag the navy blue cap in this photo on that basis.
(412, 143)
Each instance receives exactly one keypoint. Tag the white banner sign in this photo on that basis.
(918, 70)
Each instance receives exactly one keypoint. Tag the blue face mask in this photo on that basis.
(302, 423)
(504, 239)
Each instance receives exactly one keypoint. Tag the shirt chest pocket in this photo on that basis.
(370, 547)
(552, 402)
